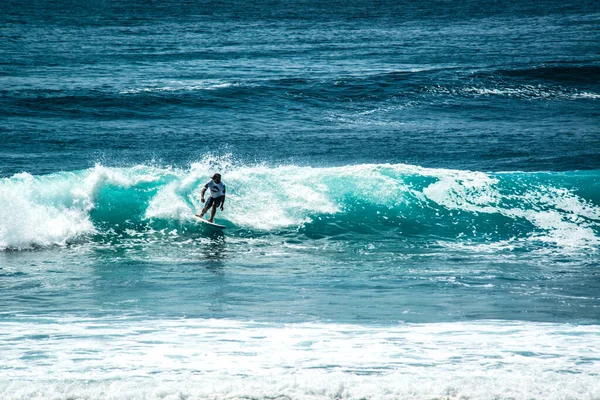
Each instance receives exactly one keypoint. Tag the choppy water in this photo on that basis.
(413, 200)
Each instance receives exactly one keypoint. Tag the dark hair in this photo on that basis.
(216, 176)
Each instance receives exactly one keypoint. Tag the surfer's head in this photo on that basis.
(216, 178)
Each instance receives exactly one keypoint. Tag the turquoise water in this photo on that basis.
(413, 204)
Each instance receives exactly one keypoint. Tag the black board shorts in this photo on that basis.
(217, 201)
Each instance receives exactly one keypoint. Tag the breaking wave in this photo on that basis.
(551, 208)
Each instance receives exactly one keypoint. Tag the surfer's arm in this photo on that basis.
(202, 193)
(223, 202)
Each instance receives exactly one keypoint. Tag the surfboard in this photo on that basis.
(211, 224)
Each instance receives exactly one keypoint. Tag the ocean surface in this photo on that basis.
(413, 206)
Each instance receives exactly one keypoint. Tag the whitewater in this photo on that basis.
(118, 358)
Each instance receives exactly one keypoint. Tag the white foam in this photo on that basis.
(265, 198)
(179, 85)
(32, 213)
(201, 359)
(556, 212)
(168, 204)
(55, 209)
(534, 92)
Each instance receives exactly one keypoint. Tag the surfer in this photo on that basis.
(217, 196)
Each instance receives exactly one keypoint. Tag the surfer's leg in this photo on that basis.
(202, 212)
(212, 213)
(209, 202)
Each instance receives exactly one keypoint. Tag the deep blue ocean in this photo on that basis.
(413, 199)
